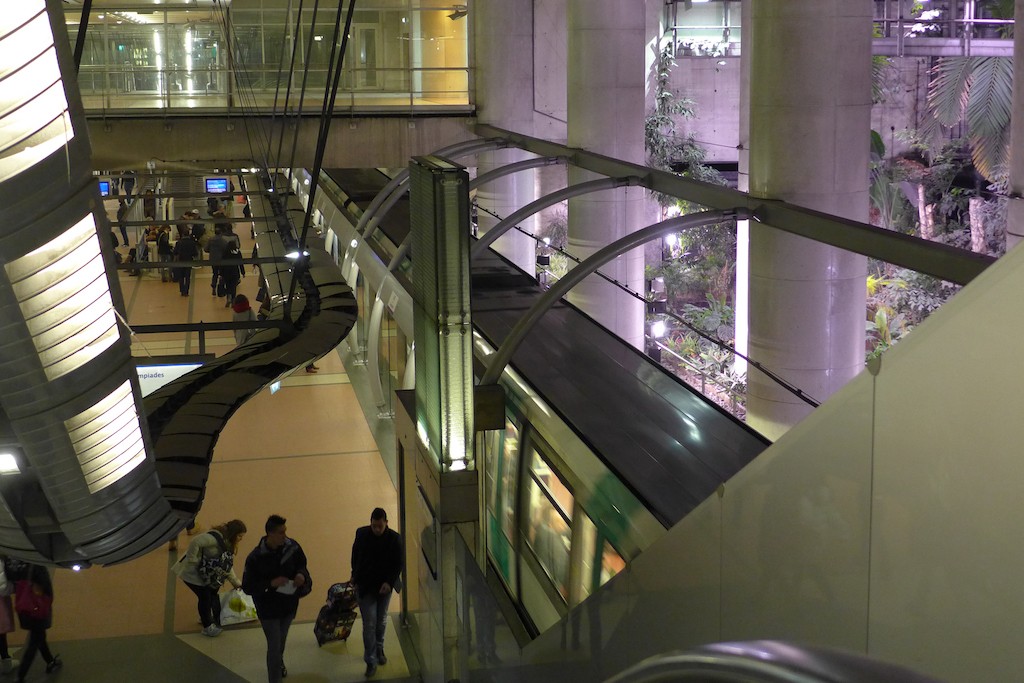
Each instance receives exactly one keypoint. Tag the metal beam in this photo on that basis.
(939, 260)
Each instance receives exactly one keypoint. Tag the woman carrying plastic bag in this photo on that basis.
(206, 565)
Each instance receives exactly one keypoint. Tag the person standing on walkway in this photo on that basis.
(34, 605)
(231, 273)
(276, 577)
(216, 247)
(208, 562)
(7, 664)
(377, 559)
(185, 249)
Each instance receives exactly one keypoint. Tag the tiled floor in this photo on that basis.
(306, 453)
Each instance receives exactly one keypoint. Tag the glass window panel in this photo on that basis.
(548, 536)
(500, 471)
(600, 561)
(552, 484)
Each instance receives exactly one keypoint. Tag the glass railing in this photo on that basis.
(400, 56)
(112, 90)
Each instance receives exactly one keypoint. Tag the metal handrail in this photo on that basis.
(768, 661)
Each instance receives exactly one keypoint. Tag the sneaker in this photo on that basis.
(284, 671)
(371, 669)
(212, 631)
(312, 368)
(381, 659)
(54, 664)
(7, 665)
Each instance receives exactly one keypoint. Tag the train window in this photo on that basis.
(501, 457)
(549, 514)
(600, 561)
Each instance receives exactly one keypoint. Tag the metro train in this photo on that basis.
(595, 462)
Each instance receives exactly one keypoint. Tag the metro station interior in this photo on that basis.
(570, 509)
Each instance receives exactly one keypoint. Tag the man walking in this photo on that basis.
(377, 558)
(276, 577)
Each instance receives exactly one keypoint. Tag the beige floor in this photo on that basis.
(304, 452)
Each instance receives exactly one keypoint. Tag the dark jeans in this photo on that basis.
(374, 608)
(276, 631)
(36, 643)
(209, 604)
(184, 280)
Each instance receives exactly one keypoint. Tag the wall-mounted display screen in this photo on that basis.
(216, 185)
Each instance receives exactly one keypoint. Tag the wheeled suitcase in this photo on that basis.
(334, 622)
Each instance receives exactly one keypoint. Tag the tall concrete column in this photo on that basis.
(1015, 215)
(809, 113)
(607, 85)
(503, 39)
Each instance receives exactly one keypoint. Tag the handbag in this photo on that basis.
(30, 601)
(214, 570)
(222, 287)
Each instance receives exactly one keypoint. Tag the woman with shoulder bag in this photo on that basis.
(7, 664)
(33, 601)
(205, 566)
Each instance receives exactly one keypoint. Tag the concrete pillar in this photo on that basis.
(607, 85)
(1015, 214)
(503, 34)
(809, 113)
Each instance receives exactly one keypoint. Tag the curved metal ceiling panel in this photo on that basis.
(95, 482)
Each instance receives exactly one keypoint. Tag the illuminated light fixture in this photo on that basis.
(62, 291)
(8, 463)
(317, 39)
(29, 75)
(658, 329)
(294, 255)
(107, 439)
(354, 243)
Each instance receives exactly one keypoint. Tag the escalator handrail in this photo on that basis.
(770, 661)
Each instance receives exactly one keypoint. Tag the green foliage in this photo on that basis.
(660, 140)
(979, 91)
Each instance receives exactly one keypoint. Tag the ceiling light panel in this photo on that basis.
(62, 291)
(107, 439)
(34, 118)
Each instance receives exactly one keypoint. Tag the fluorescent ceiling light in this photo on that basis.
(107, 439)
(62, 292)
(8, 463)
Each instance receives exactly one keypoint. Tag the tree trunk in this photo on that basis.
(975, 208)
(924, 215)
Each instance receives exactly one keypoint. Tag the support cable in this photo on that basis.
(302, 262)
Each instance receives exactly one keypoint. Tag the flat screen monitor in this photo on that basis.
(216, 185)
(105, 188)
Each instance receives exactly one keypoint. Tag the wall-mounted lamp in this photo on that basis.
(460, 11)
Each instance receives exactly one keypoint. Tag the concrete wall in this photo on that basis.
(714, 84)
(202, 143)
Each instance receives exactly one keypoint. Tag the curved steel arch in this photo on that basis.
(515, 167)
(401, 179)
(516, 335)
(547, 200)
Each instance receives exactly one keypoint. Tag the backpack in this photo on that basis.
(214, 570)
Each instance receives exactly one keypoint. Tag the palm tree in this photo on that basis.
(978, 90)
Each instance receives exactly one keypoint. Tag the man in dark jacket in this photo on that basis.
(276, 577)
(377, 558)
(185, 249)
